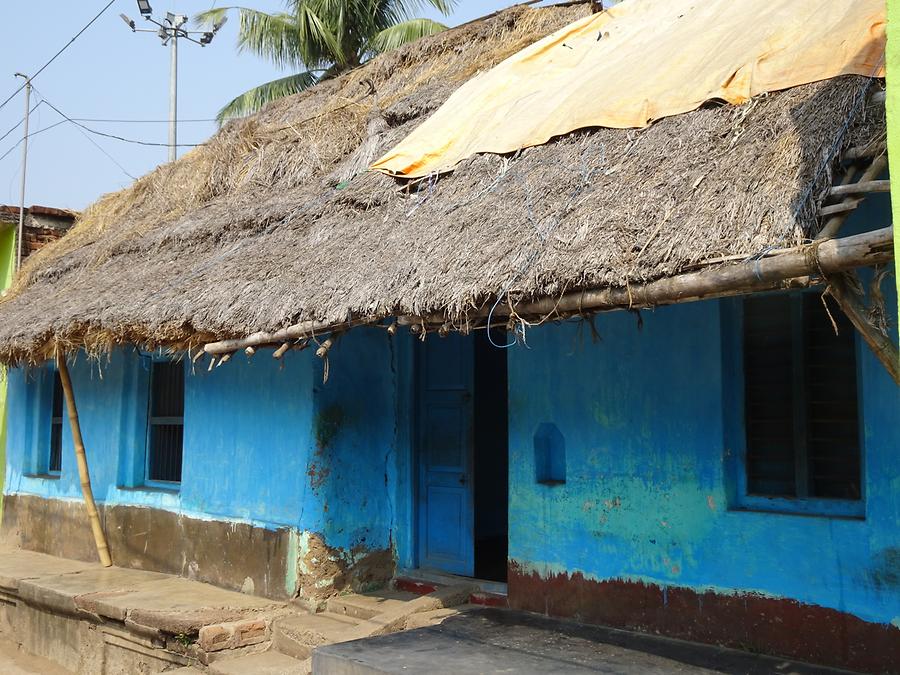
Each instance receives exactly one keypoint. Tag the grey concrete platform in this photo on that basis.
(151, 599)
(491, 640)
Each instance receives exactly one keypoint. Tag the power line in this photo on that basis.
(64, 121)
(111, 158)
(21, 121)
(64, 48)
(113, 136)
(31, 135)
(133, 121)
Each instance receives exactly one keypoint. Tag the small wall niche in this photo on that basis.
(549, 455)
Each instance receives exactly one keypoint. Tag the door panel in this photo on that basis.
(445, 442)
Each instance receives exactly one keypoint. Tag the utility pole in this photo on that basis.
(173, 100)
(21, 232)
(170, 31)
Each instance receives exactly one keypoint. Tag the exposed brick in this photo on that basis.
(215, 638)
(250, 632)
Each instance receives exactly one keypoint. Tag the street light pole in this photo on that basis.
(21, 231)
(170, 29)
(173, 101)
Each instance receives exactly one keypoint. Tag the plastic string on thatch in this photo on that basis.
(858, 103)
(542, 234)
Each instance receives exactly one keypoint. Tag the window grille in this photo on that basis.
(800, 399)
(54, 461)
(166, 422)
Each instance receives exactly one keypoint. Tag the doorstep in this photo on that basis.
(426, 580)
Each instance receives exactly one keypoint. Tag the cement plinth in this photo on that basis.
(501, 641)
(91, 619)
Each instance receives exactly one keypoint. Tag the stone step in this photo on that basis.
(297, 635)
(267, 663)
(432, 618)
(368, 605)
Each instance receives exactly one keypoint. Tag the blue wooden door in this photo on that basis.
(445, 442)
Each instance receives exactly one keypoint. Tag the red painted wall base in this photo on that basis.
(770, 625)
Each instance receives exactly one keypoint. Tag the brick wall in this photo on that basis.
(35, 238)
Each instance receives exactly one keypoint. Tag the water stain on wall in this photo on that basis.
(885, 572)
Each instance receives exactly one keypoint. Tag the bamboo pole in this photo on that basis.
(862, 187)
(865, 151)
(842, 207)
(81, 458)
(831, 256)
(833, 224)
(299, 330)
(880, 344)
(768, 273)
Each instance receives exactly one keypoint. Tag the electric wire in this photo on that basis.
(135, 121)
(56, 55)
(31, 135)
(113, 136)
(20, 122)
(81, 128)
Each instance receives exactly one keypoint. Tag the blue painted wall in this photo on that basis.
(646, 492)
(265, 441)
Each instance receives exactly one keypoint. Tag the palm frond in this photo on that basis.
(403, 33)
(269, 36)
(315, 34)
(390, 12)
(251, 101)
(273, 37)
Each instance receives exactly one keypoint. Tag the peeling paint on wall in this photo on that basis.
(646, 499)
(744, 620)
(325, 571)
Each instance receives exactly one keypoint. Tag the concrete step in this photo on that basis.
(298, 634)
(267, 663)
(368, 605)
(434, 617)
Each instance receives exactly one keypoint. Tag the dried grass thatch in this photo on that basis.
(275, 219)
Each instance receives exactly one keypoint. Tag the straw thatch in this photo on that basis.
(275, 220)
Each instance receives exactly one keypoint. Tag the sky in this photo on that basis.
(110, 73)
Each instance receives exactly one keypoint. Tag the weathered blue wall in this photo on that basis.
(265, 442)
(245, 423)
(646, 492)
(354, 428)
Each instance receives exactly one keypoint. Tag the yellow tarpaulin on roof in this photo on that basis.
(642, 60)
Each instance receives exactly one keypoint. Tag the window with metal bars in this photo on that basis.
(165, 422)
(801, 414)
(54, 461)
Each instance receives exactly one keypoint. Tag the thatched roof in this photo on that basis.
(276, 220)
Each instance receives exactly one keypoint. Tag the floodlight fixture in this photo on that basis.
(176, 20)
(171, 29)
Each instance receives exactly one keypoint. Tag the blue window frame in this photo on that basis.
(54, 460)
(165, 425)
(794, 427)
(44, 424)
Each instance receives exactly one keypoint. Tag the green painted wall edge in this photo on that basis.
(7, 248)
(892, 64)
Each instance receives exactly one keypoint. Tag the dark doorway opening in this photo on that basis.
(491, 457)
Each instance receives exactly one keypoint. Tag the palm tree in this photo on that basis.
(321, 39)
